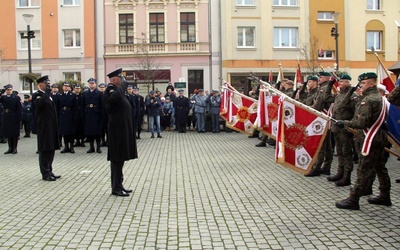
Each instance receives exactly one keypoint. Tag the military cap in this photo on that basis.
(345, 77)
(129, 87)
(54, 85)
(66, 84)
(314, 78)
(91, 79)
(8, 86)
(135, 88)
(180, 91)
(368, 75)
(86, 88)
(26, 96)
(201, 90)
(77, 86)
(102, 85)
(43, 79)
(324, 73)
(215, 91)
(116, 72)
(151, 92)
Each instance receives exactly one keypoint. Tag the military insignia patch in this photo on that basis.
(362, 103)
(288, 113)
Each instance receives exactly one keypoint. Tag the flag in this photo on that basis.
(298, 78)
(384, 76)
(300, 136)
(225, 97)
(270, 77)
(280, 74)
(271, 104)
(262, 112)
(393, 121)
(242, 113)
(320, 51)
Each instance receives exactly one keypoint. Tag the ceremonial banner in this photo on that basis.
(271, 107)
(300, 136)
(383, 75)
(242, 113)
(393, 121)
(225, 97)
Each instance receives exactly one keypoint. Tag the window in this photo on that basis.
(245, 37)
(245, 2)
(188, 27)
(326, 54)
(72, 76)
(325, 16)
(36, 43)
(71, 2)
(285, 2)
(29, 3)
(72, 38)
(195, 79)
(374, 39)
(285, 37)
(157, 33)
(25, 83)
(125, 28)
(373, 5)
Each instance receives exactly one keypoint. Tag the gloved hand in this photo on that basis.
(340, 124)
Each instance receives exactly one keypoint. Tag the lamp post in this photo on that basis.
(334, 32)
(30, 35)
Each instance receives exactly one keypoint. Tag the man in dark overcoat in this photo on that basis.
(181, 106)
(11, 120)
(67, 107)
(27, 115)
(141, 109)
(79, 136)
(46, 128)
(121, 137)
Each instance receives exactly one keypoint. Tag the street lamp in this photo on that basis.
(334, 32)
(30, 35)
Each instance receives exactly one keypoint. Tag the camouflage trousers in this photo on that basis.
(325, 155)
(344, 149)
(372, 164)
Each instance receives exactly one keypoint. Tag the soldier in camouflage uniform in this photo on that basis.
(322, 102)
(367, 114)
(343, 109)
(312, 90)
(394, 98)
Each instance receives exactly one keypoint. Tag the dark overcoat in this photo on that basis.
(79, 122)
(181, 106)
(93, 106)
(12, 115)
(27, 111)
(121, 136)
(1, 118)
(46, 122)
(67, 107)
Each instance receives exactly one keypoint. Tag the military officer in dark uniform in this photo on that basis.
(214, 103)
(2, 138)
(67, 107)
(140, 107)
(369, 115)
(47, 128)
(27, 115)
(134, 99)
(12, 115)
(181, 106)
(343, 109)
(121, 137)
(79, 136)
(93, 109)
(322, 102)
(104, 121)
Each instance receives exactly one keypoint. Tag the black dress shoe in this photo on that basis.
(8, 152)
(91, 150)
(261, 144)
(49, 178)
(65, 150)
(128, 191)
(120, 193)
(98, 150)
(55, 176)
(72, 151)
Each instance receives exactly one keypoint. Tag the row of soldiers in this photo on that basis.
(356, 111)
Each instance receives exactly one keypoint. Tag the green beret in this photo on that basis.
(324, 73)
(368, 75)
(314, 78)
(345, 77)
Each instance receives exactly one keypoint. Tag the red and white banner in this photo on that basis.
(270, 108)
(300, 136)
(242, 113)
(225, 97)
(384, 77)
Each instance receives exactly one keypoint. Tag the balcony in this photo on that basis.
(121, 50)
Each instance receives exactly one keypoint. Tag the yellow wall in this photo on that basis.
(8, 36)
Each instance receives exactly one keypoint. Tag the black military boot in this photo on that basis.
(14, 144)
(138, 135)
(315, 171)
(66, 148)
(383, 200)
(71, 150)
(91, 147)
(77, 143)
(348, 204)
(98, 149)
(82, 144)
(337, 176)
(326, 170)
(10, 146)
(345, 181)
(261, 145)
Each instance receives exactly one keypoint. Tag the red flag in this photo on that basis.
(299, 78)
(270, 78)
(242, 113)
(262, 112)
(271, 104)
(384, 77)
(300, 136)
(225, 97)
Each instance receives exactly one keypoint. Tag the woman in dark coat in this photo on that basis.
(121, 136)
(67, 106)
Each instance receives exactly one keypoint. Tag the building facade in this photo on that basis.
(159, 41)
(64, 44)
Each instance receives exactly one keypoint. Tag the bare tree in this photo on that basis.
(309, 51)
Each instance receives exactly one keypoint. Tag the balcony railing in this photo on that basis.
(156, 48)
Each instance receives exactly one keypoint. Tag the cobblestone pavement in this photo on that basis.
(190, 191)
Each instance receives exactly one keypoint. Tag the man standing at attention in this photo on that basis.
(121, 136)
